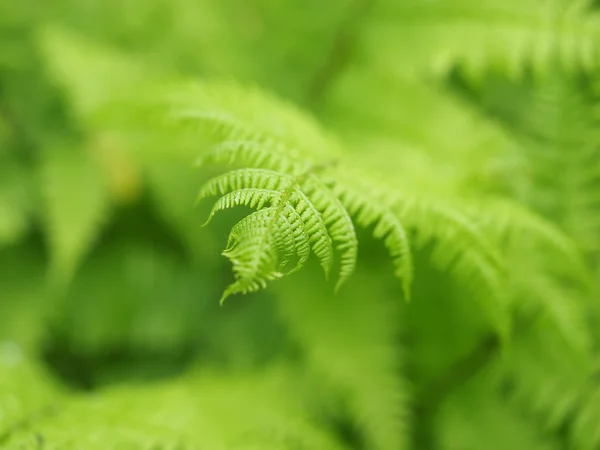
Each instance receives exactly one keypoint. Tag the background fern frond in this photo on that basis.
(510, 37)
(550, 386)
(254, 258)
(219, 418)
(344, 347)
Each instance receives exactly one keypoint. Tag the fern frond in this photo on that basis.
(252, 197)
(285, 240)
(327, 215)
(292, 221)
(555, 126)
(511, 36)
(289, 234)
(254, 259)
(547, 374)
(250, 225)
(351, 353)
(316, 228)
(462, 248)
(303, 200)
(279, 190)
(441, 147)
(561, 137)
(567, 308)
(322, 217)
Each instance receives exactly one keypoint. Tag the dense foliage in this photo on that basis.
(403, 204)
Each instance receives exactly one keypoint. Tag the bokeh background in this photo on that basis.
(111, 332)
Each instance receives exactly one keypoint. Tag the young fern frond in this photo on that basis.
(254, 247)
(301, 240)
(250, 226)
(302, 205)
(252, 197)
(254, 259)
(351, 351)
(289, 234)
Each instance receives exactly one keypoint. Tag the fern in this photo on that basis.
(563, 136)
(320, 215)
(480, 36)
(456, 136)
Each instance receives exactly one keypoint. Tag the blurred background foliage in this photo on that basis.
(111, 334)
